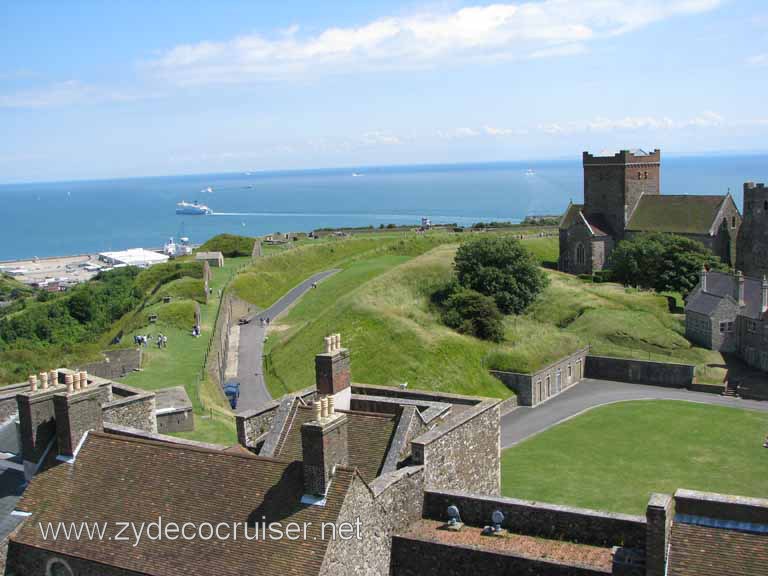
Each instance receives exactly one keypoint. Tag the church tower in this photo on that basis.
(613, 185)
(752, 242)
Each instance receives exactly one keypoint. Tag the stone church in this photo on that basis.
(622, 197)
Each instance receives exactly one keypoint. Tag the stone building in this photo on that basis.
(622, 198)
(727, 312)
(752, 254)
(348, 479)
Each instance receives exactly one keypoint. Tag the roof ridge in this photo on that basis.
(358, 412)
(175, 446)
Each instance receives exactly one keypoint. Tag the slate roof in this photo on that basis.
(569, 218)
(369, 436)
(707, 551)
(596, 221)
(720, 285)
(686, 214)
(118, 479)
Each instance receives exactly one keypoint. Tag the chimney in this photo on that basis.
(332, 372)
(764, 306)
(703, 278)
(37, 421)
(324, 447)
(77, 411)
(739, 288)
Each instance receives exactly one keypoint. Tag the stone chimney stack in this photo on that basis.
(739, 288)
(764, 291)
(332, 372)
(324, 447)
(703, 278)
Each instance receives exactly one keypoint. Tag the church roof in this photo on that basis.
(596, 222)
(116, 479)
(685, 214)
(570, 216)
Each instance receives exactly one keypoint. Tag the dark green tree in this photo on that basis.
(502, 268)
(470, 312)
(662, 262)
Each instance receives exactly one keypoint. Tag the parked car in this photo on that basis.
(232, 392)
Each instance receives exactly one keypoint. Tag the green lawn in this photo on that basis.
(181, 362)
(613, 457)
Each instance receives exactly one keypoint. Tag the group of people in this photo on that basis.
(264, 321)
(144, 339)
(196, 330)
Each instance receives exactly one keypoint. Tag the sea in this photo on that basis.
(65, 218)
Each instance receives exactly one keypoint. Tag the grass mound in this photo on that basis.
(230, 245)
(613, 457)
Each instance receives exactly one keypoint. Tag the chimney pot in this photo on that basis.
(703, 278)
(318, 410)
(83, 379)
(53, 378)
(33, 383)
(43, 380)
(70, 382)
(740, 288)
(324, 407)
(331, 407)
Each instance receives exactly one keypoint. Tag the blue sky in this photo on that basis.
(113, 89)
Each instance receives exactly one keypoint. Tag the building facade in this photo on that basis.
(727, 312)
(752, 256)
(622, 198)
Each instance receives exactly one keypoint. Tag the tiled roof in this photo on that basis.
(598, 224)
(703, 303)
(707, 551)
(569, 218)
(685, 214)
(115, 479)
(368, 439)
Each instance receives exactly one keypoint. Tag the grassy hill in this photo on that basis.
(382, 310)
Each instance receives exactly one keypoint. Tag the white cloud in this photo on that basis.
(377, 137)
(546, 29)
(66, 94)
(758, 60)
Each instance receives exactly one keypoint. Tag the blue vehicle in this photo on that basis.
(232, 392)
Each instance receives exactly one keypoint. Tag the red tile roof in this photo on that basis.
(117, 479)
(707, 551)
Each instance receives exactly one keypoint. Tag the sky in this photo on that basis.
(136, 88)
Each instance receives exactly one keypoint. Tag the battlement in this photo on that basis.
(623, 157)
(752, 186)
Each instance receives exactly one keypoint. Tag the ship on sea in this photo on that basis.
(192, 208)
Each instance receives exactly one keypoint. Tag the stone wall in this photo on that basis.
(25, 560)
(464, 453)
(421, 557)
(739, 509)
(253, 424)
(532, 389)
(9, 407)
(640, 371)
(591, 527)
(751, 337)
(659, 515)
(389, 504)
(116, 364)
(131, 407)
(181, 420)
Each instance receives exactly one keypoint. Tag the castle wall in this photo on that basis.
(131, 407)
(640, 371)
(542, 520)
(465, 452)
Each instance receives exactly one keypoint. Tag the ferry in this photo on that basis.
(193, 208)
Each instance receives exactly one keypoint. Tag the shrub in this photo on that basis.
(230, 245)
(502, 268)
(470, 312)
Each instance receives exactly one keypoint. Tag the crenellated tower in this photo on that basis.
(613, 185)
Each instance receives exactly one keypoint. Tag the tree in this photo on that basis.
(470, 312)
(662, 262)
(502, 268)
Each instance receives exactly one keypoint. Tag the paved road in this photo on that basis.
(525, 421)
(253, 389)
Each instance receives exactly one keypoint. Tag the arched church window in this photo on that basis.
(580, 254)
(58, 567)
